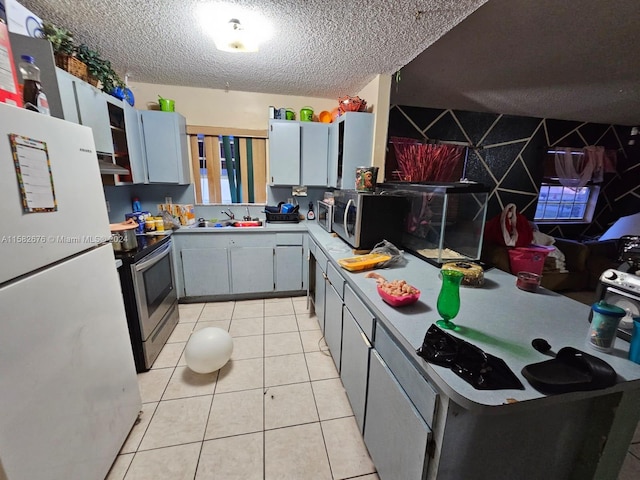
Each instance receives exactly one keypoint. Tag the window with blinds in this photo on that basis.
(229, 165)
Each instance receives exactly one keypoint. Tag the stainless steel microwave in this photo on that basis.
(364, 219)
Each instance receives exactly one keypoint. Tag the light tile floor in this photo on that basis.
(276, 411)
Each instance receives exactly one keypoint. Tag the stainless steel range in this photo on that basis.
(150, 299)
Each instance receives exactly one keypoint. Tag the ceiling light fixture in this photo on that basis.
(234, 37)
(222, 22)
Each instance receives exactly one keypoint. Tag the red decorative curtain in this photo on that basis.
(418, 162)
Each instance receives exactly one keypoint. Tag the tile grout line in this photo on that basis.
(206, 424)
(264, 396)
(324, 440)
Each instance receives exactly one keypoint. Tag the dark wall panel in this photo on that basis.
(507, 154)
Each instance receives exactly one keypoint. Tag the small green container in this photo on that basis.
(306, 114)
(167, 105)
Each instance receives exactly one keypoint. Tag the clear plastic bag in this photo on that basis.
(170, 222)
(388, 248)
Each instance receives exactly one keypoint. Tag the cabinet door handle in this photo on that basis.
(365, 339)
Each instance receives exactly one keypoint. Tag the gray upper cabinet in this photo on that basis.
(351, 146)
(314, 151)
(298, 152)
(284, 152)
(135, 142)
(67, 96)
(165, 142)
(86, 105)
(126, 135)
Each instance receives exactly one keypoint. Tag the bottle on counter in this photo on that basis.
(310, 214)
(137, 206)
(33, 96)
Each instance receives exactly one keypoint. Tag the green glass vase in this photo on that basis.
(449, 298)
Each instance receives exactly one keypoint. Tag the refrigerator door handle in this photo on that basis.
(154, 258)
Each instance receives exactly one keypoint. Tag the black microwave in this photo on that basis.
(363, 219)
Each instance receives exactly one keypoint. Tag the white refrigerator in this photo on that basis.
(68, 387)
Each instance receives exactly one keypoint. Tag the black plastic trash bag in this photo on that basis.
(480, 369)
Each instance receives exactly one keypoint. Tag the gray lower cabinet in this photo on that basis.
(214, 264)
(252, 270)
(354, 363)
(395, 433)
(288, 274)
(206, 271)
(333, 323)
(320, 287)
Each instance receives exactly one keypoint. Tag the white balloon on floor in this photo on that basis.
(208, 350)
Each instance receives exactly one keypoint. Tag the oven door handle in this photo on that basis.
(154, 258)
(344, 218)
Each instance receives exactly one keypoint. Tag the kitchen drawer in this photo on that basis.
(417, 388)
(336, 279)
(253, 239)
(360, 312)
(289, 238)
(321, 258)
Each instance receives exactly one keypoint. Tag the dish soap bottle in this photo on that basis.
(310, 214)
(137, 207)
(33, 96)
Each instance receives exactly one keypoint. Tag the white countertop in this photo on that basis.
(498, 318)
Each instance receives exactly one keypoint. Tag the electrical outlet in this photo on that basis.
(108, 206)
(168, 200)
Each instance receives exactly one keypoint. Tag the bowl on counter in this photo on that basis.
(399, 300)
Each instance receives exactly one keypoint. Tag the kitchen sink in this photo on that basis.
(229, 224)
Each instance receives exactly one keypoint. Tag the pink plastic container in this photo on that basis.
(528, 259)
(396, 301)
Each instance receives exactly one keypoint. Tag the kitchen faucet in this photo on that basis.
(229, 214)
(247, 217)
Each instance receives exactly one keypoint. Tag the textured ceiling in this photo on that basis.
(320, 48)
(543, 58)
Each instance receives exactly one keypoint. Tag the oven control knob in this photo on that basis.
(610, 275)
